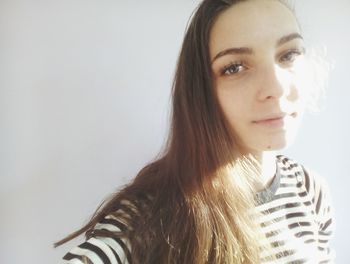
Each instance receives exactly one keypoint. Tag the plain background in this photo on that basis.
(84, 105)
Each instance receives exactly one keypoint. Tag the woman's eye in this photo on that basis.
(233, 69)
(290, 56)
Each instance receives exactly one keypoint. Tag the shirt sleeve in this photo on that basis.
(101, 250)
(324, 215)
(326, 221)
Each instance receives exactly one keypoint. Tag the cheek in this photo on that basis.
(235, 111)
(230, 101)
(236, 100)
(307, 82)
(234, 92)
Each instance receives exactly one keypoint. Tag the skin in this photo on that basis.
(256, 73)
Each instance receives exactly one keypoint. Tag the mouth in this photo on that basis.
(275, 120)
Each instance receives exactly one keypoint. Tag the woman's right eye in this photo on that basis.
(233, 68)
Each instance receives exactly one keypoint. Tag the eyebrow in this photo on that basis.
(249, 51)
(288, 38)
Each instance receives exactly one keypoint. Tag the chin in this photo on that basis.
(274, 147)
(269, 142)
(277, 144)
(273, 143)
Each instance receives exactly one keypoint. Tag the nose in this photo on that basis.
(275, 82)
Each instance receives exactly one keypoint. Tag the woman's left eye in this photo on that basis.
(291, 55)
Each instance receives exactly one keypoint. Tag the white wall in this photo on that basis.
(84, 99)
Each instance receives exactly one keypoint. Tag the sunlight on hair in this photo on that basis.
(242, 176)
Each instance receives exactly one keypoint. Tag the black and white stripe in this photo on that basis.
(102, 250)
(298, 205)
(296, 220)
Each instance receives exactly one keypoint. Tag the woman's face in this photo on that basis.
(256, 52)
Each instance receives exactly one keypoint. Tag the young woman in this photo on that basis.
(220, 193)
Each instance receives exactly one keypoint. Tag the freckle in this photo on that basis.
(269, 147)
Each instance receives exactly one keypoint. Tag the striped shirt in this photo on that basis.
(297, 202)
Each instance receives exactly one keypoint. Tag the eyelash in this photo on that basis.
(294, 52)
(228, 67)
(285, 58)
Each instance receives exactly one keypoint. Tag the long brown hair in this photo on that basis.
(193, 202)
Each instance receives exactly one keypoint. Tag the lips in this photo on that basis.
(274, 119)
(270, 117)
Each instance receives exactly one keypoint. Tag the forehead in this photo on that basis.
(251, 23)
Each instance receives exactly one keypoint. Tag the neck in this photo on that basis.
(267, 169)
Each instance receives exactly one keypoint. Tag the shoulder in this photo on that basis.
(314, 185)
(312, 181)
(315, 196)
(108, 241)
